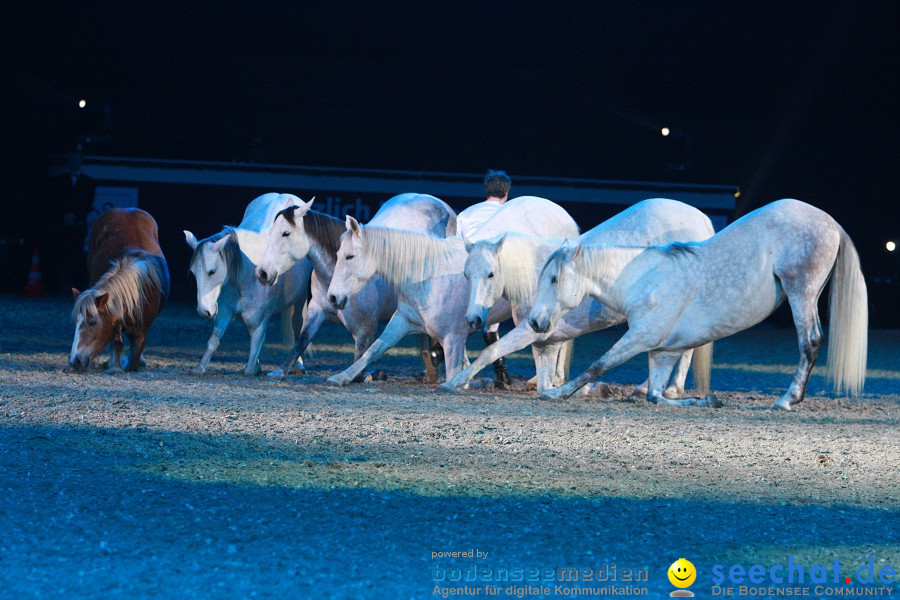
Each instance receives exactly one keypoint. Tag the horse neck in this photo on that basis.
(129, 284)
(612, 269)
(408, 257)
(322, 261)
(324, 235)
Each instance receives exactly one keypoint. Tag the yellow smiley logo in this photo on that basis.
(682, 573)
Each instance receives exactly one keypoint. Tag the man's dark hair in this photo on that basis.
(496, 183)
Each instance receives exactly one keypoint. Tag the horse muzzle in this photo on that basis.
(265, 277)
(539, 326)
(79, 363)
(475, 322)
(338, 302)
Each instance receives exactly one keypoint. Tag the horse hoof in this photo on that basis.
(252, 373)
(599, 389)
(198, 371)
(552, 395)
(375, 376)
(783, 403)
(447, 388)
(531, 386)
(712, 401)
(276, 373)
(335, 380)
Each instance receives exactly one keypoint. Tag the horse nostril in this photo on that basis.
(333, 299)
(263, 276)
(534, 325)
(476, 323)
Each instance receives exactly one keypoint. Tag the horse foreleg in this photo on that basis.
(220, 326)
(396, 329)
(315, 317)
(257, 339)
(515, 340)
(454, 354)
(115, 352)
(630, 344)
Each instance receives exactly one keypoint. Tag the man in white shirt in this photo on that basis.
(496, 189)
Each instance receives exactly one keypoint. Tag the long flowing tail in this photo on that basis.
(849, 321)
(701, 365)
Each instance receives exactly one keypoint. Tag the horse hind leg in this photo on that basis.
(805, 311)
(137, 350)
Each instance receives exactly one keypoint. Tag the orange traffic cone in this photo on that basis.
(35, 285)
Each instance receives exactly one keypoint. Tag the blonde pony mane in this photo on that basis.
(127, 283)
(408, 256)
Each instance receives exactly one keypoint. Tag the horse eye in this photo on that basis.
(491, 275)
(211, 273)
(466, 275)
(349, 256)
(553, 279)
(91, 322)
(285, 234)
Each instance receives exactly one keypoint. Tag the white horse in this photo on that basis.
(299, 233)
(227, 286)
(508, 268)
(428, 274)
(683, 295)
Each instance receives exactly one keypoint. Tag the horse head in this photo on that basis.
(94, 327)
(209, 265)
(287, 243)
(482, 270)
(354, 266)
(560, 288)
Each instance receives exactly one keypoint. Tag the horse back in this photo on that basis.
(120, 231)
(421, 213)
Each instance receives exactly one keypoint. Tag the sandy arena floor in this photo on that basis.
(170, 484)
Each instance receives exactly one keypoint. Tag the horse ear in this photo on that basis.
(353, 225)
(500, 242)
(75, 294)
(577, 252)
(190, 239)
(100, 300)
(218, 245)
(303, 208)
(468, 245)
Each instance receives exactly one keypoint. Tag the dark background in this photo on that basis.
(784, 99)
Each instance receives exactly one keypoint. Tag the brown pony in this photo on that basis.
(129, 282)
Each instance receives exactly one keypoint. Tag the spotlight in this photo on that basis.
(891, 246)
(665, 131)
(82, 103)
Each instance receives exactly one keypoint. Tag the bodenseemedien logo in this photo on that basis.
(682, 574)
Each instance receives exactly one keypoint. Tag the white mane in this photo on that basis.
(520, 263)
(127, 283)
(406, 256)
